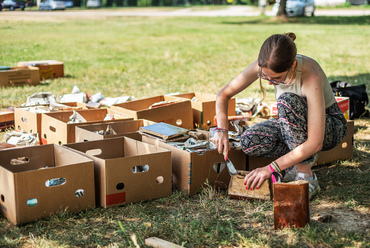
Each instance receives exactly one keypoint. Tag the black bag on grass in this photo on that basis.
(358, 98)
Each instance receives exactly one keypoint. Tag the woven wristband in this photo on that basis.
(276, 167)
(275, 176)
(272, 174)
(221, 130)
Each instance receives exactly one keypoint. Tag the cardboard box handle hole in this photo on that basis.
(79, 193)
(219, 167)
(53, 129)
(32, 202)
(19, 161)
(24, 119)
(2, 198)
(140, 168)
(159, 179)
(179, 122)
(120, 186)
(55, 182)
(94, 152)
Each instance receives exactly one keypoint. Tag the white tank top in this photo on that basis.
(295, 87)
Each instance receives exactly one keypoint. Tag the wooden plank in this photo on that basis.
(157, 242)
(237, 189)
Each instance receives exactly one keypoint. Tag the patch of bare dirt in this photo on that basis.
(342, 218)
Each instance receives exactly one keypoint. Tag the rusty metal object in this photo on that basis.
(237, 189)
(291, 204)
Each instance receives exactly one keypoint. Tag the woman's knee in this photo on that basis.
(291, 105)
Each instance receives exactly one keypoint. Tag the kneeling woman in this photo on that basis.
(309, 119)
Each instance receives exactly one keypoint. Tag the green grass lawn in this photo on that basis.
(143, 57)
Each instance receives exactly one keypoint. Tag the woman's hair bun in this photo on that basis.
(291, 36)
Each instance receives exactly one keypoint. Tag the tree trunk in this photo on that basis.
(282, 8)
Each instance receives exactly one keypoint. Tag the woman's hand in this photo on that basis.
(257, 177)
(221, 140)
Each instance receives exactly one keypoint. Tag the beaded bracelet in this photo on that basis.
(221, 130)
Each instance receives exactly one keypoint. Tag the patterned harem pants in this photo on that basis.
(276, 137)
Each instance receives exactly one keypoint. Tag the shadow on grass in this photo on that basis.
(344, 183)
(327, 20)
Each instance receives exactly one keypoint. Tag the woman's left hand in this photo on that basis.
(257, 177)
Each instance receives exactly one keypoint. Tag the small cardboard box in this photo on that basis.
(47, 68)
(56, 129)
(29, 121)
(37, 181)
(127, 170)
(204, 108)
(343, 103)
(18, 76)
(91, 131)
(343, 151)
(191, 170)
(178, 113)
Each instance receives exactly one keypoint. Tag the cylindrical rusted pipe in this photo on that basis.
(291, 204)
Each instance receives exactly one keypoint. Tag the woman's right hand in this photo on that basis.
(221, 140)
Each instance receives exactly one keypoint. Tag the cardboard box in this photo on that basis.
(56, 129)
(127, 170)
(90, 132)
(6, 119)
(47, 68)
(31, 122)
(343, 103)
(27, 175)
(273, 108)
(191, 170)
(343, 151)
(19, 76)
(204, 108)
(179, 113)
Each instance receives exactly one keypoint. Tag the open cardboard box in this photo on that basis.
(122, 128)
(179, 113)
(191, 170)
(204, 108)
(29, 179)
(56, 129)
(47, 68)
(29, 121)
(127, 170)
(19, 76)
